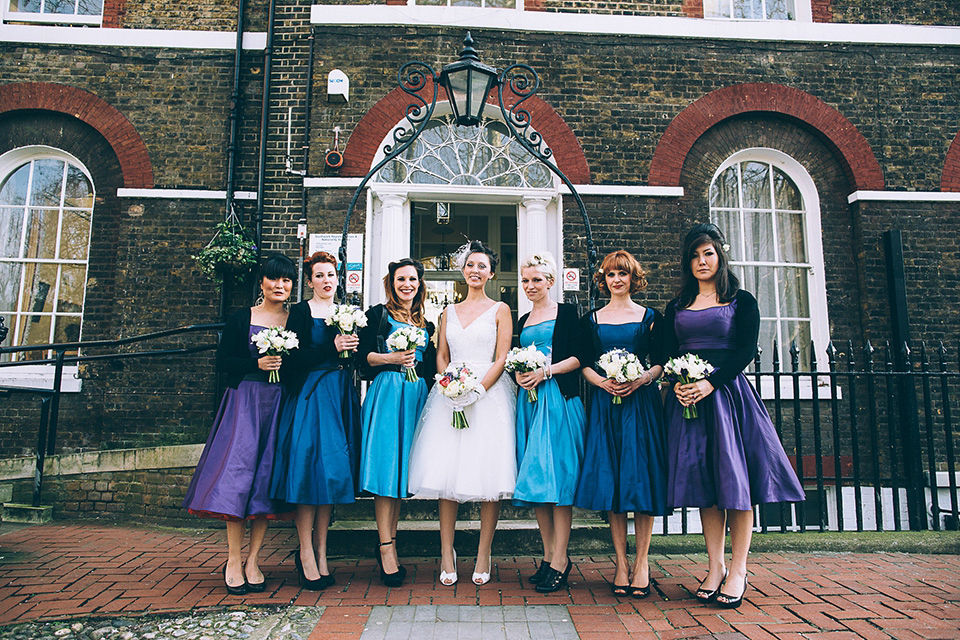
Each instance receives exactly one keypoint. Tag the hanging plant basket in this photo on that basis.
(229, 256)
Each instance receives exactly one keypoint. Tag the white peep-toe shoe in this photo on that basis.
(449, 579)
(481, 579)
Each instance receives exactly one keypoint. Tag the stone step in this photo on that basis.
(417, 509)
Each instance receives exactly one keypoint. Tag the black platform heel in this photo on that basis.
(319, 584)
(394, 579)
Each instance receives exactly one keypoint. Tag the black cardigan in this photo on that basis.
(655, 354)
(728, 362)
(373, 339)
(568, 340)
(295, 366)
(233, 352)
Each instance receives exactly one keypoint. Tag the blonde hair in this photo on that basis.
(544, 262)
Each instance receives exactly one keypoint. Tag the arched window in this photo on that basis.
(767, 205)
(46, 210)
(485, 156)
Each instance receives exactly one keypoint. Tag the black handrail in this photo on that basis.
(50, 398)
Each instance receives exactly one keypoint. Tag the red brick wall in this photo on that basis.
(950, 180)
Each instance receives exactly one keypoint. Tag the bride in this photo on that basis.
(477, 463)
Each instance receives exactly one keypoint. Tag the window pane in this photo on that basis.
(787, 194)
(58, 6)
(465, 3)
(11, 223)
(439, 3)
(501, 4)
(759, 237)
(761, 283)
(756, 185)
(799, 332)
(9, 285)
(781, 10)
(748, 9)
(41, 234)
(37, 296)
(14, 189)
(33, 330)
(90, 7)
(47, 183)
(67, 329)
(78, 192)
(25, 6)
(729, 223)
(723, 191)
(793, 293)
(792, 246)
(72, 281)
(768, 333)
(75, 235)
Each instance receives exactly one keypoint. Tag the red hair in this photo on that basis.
(621, 260)
(320, 257)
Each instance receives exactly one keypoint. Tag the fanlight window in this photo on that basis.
(485, 156)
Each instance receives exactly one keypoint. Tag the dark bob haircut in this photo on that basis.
(277, 266)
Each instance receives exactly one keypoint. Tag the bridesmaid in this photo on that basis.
(231, 481)
(318, 432)
(729, 458)
(624, 467)
(550, 430)
(393, 404)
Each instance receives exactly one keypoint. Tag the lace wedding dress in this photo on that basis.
(478, 463)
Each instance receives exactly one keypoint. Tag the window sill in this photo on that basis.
(40, 376)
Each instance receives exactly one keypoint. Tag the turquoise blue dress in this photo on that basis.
(391, 410)
(624, 465)
(549, 435)
(317, 434)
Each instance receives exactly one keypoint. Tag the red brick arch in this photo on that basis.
(852, 149)
(389, 110)
(950, 179)
(119, 133)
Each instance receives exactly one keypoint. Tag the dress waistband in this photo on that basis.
(260, 376)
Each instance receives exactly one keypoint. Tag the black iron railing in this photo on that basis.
(50, 398)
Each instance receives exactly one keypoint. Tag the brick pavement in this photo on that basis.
(62, 571)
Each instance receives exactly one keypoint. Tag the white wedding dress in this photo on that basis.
(480, 462)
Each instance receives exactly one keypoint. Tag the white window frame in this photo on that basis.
(803, 9)
(50, 18)
(449, 3)
(41, 375)
(816, 282)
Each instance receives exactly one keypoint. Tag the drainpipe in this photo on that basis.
(302, 223)
(264, 121)
(235, 109)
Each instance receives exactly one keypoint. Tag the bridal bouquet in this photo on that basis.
(456, 382)
(686, 369)
(275, 341)
(347, 319)
(525, 360)
(404, 339)
(622, 366)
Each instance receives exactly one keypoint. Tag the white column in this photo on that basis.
(388, 239)
(532, 235)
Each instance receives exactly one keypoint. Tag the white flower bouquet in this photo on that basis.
(347, 318)
(686, 369)
(456, 382)
(622, 366)
(274, 341)
(404, 339)
(525, 360)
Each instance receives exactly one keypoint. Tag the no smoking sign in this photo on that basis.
(571, 279)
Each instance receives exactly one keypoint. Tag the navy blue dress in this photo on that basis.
(624, 465)
(317, 435)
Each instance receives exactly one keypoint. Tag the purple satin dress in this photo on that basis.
(729, 456)
(232, 479)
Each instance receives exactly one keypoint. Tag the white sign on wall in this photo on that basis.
(330, 242)
(571, 279)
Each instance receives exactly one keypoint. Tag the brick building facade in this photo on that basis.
(644, 104)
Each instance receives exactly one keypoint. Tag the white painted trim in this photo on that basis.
(904, 196)
(582, 189)
(184, 194)
(137, 38)
(52, 18)
(624, 190)
(40, 376)
(653, 26)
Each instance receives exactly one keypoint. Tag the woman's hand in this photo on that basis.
(624, 389)
(692, 393)
(406, 358)
(530, 379)
(346, 342)
(269, 363)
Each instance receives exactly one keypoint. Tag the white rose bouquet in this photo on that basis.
(404, 339)
(456, 382)
(686, 369)
(622, 366)
(347, 319)
(275, 341)
(525, 360)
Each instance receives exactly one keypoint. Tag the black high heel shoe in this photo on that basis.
(239, 590)
(554, 580)
(729, 602)
(254, 587)
(642, 592)
(319, 584)
(541, 573)
(394, 579)
(705, 596)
